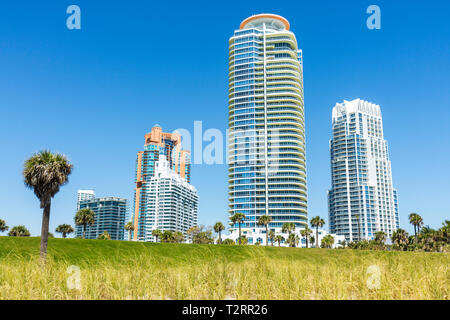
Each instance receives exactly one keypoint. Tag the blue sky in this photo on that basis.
(93, 93)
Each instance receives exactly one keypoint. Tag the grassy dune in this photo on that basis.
(126, 270)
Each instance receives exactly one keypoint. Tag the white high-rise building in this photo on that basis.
(267, 150)
(171, 204)
(362, 199)
(83, 195)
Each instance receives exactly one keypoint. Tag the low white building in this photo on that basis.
(258, 235)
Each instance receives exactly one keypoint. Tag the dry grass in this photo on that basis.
(168, 271)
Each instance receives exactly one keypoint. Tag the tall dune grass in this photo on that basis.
(124, 270)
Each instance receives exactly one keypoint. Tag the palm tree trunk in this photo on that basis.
(415, 233)
(64, 235)
(306, 241)
(239, 233)
(317, 237)
(129, 235)
(44, 230)
(220, 237)
(267, 235)
(84, 231)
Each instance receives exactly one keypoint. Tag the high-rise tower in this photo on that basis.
(362, 199)
(157, 143)
(267, 157)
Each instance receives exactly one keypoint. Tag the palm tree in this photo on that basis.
(417, 221)
(292, 239)
(317, 222)
(45, 173)
(219, 227)
(328, 241)
(400, 237)
(288, 227)
(104, 236)
(272, 236)
(157, 234)
(306, 233)
(19, 231)
(83, 218)
(380, 238)
(228, 242)
(238, 218)
(129, 227)
(3, 226)
(279, 239)
(178, 237)
(446, 230)
(264, 221)
(65, 229)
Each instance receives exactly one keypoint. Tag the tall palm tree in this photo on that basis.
(264, 221)
(83, 218)
(219, 227)
(157, 234)
(65, 229)
(129, 227)
(272, 236)
(317, 222)
(238, 218)
(306, 233)
(45, 173)
(3, 226)
(19, 231)
(417, 221)
(279, 239)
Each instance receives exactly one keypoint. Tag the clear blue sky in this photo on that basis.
(93, 94)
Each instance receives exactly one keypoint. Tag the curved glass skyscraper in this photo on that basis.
(267, 158)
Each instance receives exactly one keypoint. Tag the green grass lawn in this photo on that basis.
(129, 270)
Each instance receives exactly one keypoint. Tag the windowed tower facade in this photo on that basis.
(266, 142)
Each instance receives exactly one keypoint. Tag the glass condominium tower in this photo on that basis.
(362, 199)
(266, 142)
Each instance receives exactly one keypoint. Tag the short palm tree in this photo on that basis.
(238, 218)
(306, 233)
(84, 217)
(19, 231)
(45, 173)
(417, 221)
(328, 241)
(279, 239)
(129, 227)
(104, 236)
(264, 221)
(3, 226)
(272, 236)
(178, 237)
(219, 227)
(292, 240)
(64, 229)
(380, 238)
(288, 227)
(400, 237)
(157, 234)
(317, 222)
